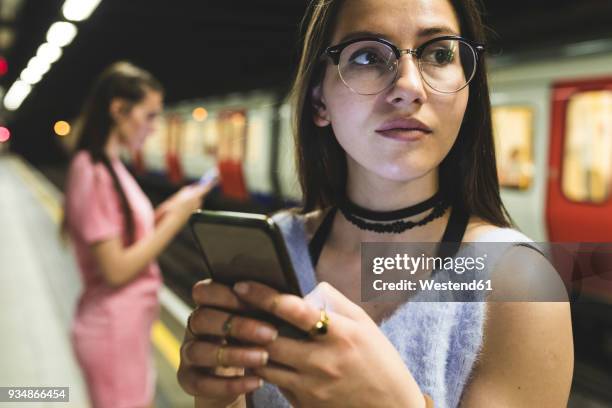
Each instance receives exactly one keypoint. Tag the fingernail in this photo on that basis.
(241, 288)
(254, 383)
(266, 333)
(256, 357)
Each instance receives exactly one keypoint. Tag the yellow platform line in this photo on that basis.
(50, 204)
(166, 343)
(162, 338)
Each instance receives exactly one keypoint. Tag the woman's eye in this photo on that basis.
(366, 58)
(439, 56)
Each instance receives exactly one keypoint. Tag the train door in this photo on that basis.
(579, 205)
(521, 147)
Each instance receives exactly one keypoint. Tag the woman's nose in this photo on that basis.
(409, 85)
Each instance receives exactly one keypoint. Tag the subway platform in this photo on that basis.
(39, 286)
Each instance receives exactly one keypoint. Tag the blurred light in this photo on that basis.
(61, 33)
(48, 52)
(5, 134)
(3, 66)
(16, 94)
(30, 76)
(200, 114)
(238, 119)
(7, 37)
(61, 128)
(79, 10)
(38, 65)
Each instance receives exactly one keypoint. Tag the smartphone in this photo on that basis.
(209, 176)
(242, 246)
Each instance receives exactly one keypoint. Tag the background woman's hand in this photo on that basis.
(199, 373)
(353, 365)
(185, 201)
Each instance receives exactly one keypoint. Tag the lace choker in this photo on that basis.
(395, 224)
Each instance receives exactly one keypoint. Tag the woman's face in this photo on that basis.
(136, 124)
(372, 129)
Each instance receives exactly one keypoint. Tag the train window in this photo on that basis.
(586, 173)
(513, 134)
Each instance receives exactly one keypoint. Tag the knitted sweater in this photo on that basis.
(438, 341)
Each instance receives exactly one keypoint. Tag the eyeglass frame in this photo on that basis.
(334, 51)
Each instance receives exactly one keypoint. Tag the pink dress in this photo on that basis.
(111, 329)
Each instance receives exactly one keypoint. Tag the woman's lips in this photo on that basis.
(407, 135)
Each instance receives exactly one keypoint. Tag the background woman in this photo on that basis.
(117, 238)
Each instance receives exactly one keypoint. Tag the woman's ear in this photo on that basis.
(321, 114)
(118, 108)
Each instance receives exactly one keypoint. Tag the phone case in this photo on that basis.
(265, 224)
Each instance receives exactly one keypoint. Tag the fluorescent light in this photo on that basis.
(48, 52)
(16, 94)
(79, 10)
(39, 65)
(61, 33)
(30, 76)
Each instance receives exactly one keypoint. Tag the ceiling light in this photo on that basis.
(16, 94)
(61, 33)
(79, 10)
(30, 76)
(48, 52)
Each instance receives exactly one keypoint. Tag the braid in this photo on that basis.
(125, 205)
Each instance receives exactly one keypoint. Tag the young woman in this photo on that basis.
(117, 239)
(394, 144)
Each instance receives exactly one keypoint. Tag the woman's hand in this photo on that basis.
(353, 365)
(185, 201)
(201, 371)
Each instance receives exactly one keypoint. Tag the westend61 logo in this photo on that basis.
(412, 265)
(428, 271)
(485, 271)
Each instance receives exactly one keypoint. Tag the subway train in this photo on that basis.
(552, 120)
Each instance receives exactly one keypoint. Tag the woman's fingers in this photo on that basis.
(195, 383)
(209, 293)
(291, 353)
(205, 354)
(279, 376)
(206, 321)
(290, 308)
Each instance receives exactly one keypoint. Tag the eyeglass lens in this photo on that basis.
(369, 67)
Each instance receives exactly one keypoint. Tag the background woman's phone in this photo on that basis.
(241, 246)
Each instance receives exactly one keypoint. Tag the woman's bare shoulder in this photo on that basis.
(312, 220)
(477, 227)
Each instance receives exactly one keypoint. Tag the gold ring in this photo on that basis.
(220, 352)
(321, 326)
(274, 304)
(189, 324)
(227, 326)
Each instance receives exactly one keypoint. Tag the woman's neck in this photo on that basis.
(113, 146)
(377, 194)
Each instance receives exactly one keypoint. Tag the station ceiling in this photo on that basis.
(200, 48)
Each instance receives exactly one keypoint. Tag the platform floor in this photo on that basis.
(39, 286)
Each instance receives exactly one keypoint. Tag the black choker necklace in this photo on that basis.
(358, 215)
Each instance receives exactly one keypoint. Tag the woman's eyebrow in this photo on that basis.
(360, 34)
(429, 31)
(424, 32)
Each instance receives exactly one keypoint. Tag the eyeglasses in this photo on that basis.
(369, 65)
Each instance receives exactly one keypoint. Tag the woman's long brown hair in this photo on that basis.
(124, 81)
